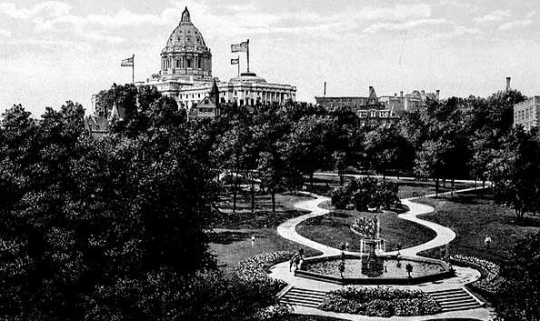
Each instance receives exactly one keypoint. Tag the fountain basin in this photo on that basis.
(326, 269)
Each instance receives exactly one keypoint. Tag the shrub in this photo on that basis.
(254, 270)
(364, 193)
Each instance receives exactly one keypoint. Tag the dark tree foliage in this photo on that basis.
(518, 299)
(365, 193)
(90, 224)
(514, 170)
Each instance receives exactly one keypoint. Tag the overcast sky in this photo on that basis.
(54, 51)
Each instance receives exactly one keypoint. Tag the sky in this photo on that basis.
(54, 51)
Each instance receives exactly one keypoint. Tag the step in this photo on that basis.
(453, 298)
(300, 302)
(303, 297)
(452, 304)
(309, 294)
(307, 290)
(458, 308)
(447, 291)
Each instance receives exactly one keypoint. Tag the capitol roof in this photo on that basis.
(248, 77)
(185, 36)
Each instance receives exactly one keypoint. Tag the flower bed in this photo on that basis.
(490, 280)
(380, 302)
(255, 269)
(365, 227)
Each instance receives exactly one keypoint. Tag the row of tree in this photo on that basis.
(458, 138)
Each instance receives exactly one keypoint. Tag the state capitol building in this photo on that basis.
(186, 75)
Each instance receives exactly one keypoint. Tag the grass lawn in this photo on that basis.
(407, 188)
(473, 216)
(334, 228)
(231, 237)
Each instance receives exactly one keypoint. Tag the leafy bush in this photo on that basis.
(380, 301)
(254, 270)
(364, 193)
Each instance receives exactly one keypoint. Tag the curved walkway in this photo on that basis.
(443, 236)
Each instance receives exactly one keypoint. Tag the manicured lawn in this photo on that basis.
(334, 228)
(473, 216)
(231, 238)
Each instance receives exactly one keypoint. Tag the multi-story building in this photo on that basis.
(383, 109)
(527, 113)
(370, 110)
(186, 74)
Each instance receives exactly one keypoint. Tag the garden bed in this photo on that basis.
(380, 302)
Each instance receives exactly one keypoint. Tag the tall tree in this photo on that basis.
(518, 299)
(515, 172)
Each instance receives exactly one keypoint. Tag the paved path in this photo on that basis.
(443, 236)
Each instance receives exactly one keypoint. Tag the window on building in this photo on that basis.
(206, 101)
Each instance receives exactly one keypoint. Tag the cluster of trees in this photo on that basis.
(284, 146)
(111, 229)
(364, 193)
(114, 229)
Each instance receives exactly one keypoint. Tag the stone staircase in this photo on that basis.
(455, 299)
(302, 297)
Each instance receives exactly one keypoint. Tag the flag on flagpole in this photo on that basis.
(239, 47)
(127, 62)
(235, 61)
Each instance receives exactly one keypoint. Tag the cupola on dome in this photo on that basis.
(186, 55)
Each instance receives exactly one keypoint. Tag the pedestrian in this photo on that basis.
(297, 260)
(347, 247)
(487, 242)
(341, 268)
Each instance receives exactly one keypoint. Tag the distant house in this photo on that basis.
(209, 106)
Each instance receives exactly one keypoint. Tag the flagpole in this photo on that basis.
(133, 70)
(248, 55)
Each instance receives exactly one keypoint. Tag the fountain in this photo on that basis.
(372, 265)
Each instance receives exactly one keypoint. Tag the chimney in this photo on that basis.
(395, 94)
(508, 83)
(324, 89)
(437, 93)
(423, 92)
(401, 93)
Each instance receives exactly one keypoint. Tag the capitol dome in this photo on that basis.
(186, 55)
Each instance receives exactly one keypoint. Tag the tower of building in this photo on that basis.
(186, 56)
